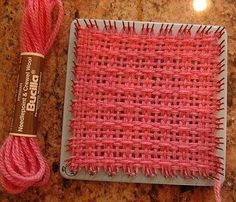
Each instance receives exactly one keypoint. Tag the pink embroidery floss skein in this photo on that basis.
(21, 162)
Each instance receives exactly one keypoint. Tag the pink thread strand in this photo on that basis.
(21, 162)
(217, 189)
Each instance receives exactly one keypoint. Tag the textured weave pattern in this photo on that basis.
(146, 103)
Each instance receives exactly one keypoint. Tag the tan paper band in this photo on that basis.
(27, 96)
(32, 54)
(22, 135)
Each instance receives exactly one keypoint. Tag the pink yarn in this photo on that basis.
(217, 189)
(146, 103)
(21, 162)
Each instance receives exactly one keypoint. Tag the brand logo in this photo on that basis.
(33, 87)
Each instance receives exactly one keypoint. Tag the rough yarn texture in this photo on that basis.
(146, 103)
(21, 162)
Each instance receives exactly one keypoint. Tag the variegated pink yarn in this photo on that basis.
(21, 162)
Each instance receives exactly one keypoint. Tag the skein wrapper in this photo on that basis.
(27, 96)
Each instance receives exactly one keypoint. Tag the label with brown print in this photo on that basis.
(27, 96)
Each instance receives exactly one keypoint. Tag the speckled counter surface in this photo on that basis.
(220, 12)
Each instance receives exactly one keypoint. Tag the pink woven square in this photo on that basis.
(146, 102)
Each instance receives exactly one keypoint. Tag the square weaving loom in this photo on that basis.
(145, 102)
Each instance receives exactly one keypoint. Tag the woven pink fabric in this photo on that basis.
(146, 102)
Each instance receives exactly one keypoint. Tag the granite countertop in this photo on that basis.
(219, 12)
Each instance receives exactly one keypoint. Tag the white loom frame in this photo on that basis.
(139, 178)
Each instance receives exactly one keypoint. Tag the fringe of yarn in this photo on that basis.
(21, 162)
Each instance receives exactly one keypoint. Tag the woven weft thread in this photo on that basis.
(146, 102)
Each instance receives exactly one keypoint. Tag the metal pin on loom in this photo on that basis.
(203, 29)
(180, 29)
(152, 28)
(90, 22)
(142, 27)
(147, 26)
(96, 24)
(190, 28)
(105, 25)
(222, 43)
(128, 26)
(86, 23)
(110, 25)
(123, 23)
(199, 29)
(133, 26)
(221, 32)
(160, 31)
(170, 30)
(185, 28)
(208, 30)
(77, 25)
